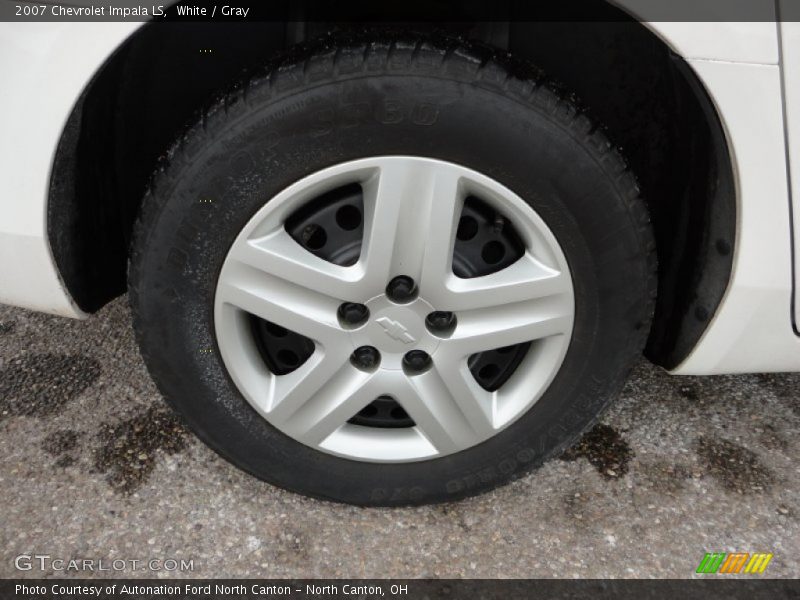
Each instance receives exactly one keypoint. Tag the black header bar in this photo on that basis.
(367, 11)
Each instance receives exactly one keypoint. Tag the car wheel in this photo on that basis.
(392, 272)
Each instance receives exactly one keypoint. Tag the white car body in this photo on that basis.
(751, 71)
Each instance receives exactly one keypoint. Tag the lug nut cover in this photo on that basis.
(417, 360)
(401, 289)
(353, 313)
(365, 357)
(441, 321)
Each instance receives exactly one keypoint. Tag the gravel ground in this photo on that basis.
(92, 464)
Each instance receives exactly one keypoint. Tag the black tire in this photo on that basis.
(446, 101)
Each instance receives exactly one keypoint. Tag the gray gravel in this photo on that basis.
(93, 465)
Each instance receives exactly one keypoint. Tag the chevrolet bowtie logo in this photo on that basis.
(395, 330)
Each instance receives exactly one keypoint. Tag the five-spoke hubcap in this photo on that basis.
(397, 322)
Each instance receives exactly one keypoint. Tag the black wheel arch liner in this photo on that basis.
(92, 204)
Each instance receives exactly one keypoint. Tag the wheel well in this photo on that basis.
(649, 100)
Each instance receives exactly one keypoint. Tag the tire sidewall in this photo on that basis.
(223, 176)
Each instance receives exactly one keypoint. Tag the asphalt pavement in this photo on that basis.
(94, 466)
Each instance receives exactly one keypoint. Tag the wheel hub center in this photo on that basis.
(395, 330)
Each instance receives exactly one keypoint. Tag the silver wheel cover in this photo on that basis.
(412, 207)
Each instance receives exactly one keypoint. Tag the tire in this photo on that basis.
(451, 104)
